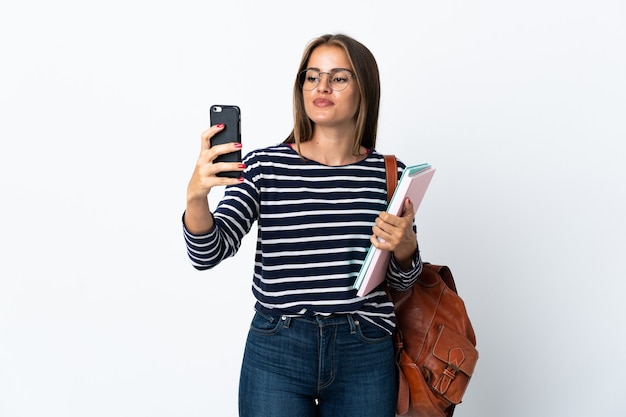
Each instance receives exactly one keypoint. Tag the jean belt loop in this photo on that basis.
(352, 322)
(286, 321)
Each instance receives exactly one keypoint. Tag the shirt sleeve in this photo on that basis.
(201, 249)
(233, 219)
(403, 280)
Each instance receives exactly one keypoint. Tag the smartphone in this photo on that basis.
(231, 117)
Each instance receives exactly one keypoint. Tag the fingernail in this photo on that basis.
(238, 145)
(240, 179)
(220, 125)
(241, 166)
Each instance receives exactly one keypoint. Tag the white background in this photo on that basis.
(519, 105)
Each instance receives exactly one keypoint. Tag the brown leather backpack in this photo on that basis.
(435, 342)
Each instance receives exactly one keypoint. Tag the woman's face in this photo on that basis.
(326, 106)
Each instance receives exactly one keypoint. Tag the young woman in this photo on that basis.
(314, 347)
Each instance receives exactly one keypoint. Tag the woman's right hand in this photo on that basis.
(204, 175)
(198, 218)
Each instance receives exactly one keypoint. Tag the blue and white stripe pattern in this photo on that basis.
(314, 223)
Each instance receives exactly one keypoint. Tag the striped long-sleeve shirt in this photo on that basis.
(314, 224)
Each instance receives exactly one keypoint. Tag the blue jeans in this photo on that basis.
(317, 367)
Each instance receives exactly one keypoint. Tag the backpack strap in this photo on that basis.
(391, 169)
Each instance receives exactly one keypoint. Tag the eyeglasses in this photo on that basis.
(338, 79)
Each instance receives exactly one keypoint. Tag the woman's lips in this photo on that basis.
(322, 102)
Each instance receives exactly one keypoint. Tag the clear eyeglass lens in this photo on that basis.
(338, 79)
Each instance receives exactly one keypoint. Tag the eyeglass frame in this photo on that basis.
(334, 70)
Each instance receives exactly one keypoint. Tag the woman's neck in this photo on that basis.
(331, 151)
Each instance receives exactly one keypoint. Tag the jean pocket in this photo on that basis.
(372, 334)
(265, 324)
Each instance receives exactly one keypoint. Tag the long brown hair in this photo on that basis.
(367, 79)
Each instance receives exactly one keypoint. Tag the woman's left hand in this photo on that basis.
(395, 233)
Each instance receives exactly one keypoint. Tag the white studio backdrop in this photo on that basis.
(520, 106)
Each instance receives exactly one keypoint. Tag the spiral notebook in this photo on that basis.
(413, 183)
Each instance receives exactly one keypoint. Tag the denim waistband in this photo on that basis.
(316, 319)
